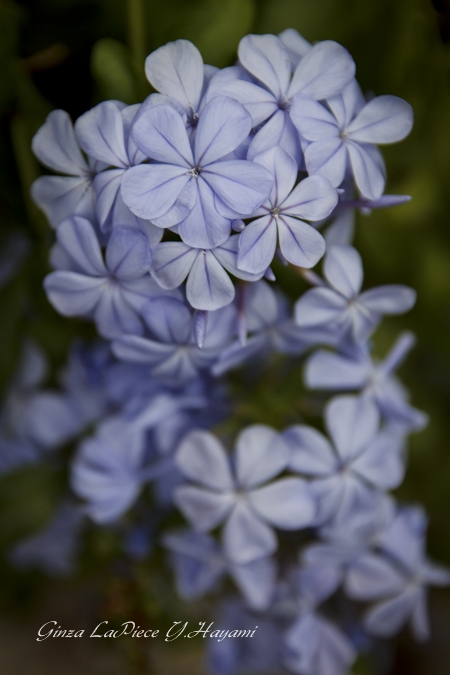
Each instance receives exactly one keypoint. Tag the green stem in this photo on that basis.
(136, 30)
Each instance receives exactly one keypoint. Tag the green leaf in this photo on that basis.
(214, 26)
(28, 499)
(116, 74)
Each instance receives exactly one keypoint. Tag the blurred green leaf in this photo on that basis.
(28, 499)
(115, 72)
(215, 26)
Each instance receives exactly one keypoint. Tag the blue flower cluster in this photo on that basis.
(168, 218)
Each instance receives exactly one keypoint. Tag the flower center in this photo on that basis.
(195, 171)
(284, 105)
(275, 211)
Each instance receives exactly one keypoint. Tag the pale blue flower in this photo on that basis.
(200, 565)
(399, 580)
(339, 304)
(107, 470)
(245, 500)
(345, 134)
(282, 217)
(170, 350)
(376, 380)
(323, 71)
(360, 459)
(60, 197)
(104, 132)
(177, 71)
(111, 291)
(317, 647)
(208, 286)
(188, 183)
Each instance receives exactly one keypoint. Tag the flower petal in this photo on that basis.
(226, 254)
(141, 350)
(367, 168)
(393, 299)
(100, 133)
(223, 125)
(385, 619)
(114, 316)
(149, 190)
(73, 294)
(284, 170)
(204, 227)
(176, 69)
(208, 286)
(265, 57)
(204, 509)
(314, 198)
(55, 145)
(343, 270)
(128, 255)
(312, 119)
(280, 131)
(261, 454)
(107, 186)
(300, 243)
(172, 261)
(246, 537)
(202, 458)
(161, 134)
(257, 245)
(60, 197)
(325, 370)
(328, 159)
(352, 422)
(259, 102)
(77, 237)
(310, 452)
(323, 71)
(242, 185)
(168, 319)
(385, 119)
(287, 503)
(319, 306)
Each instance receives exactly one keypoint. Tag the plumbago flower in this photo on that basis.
(376, 380)
(200, 565)
(346, 132)
(340, 306)
(104, 133)
(188, 185)
(323, 71)
(108, 470)
(177, 71)
(397, 577)
(111, 290)
(245, 499)
(313, 644)
(171, 350)
(282, 217)
(60, 197)
(208, 285)
(363, 458)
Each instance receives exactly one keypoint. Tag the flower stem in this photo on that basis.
(136, 30)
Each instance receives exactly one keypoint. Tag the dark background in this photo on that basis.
(71, 54)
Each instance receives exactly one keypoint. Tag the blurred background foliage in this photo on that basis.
(71, 54)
